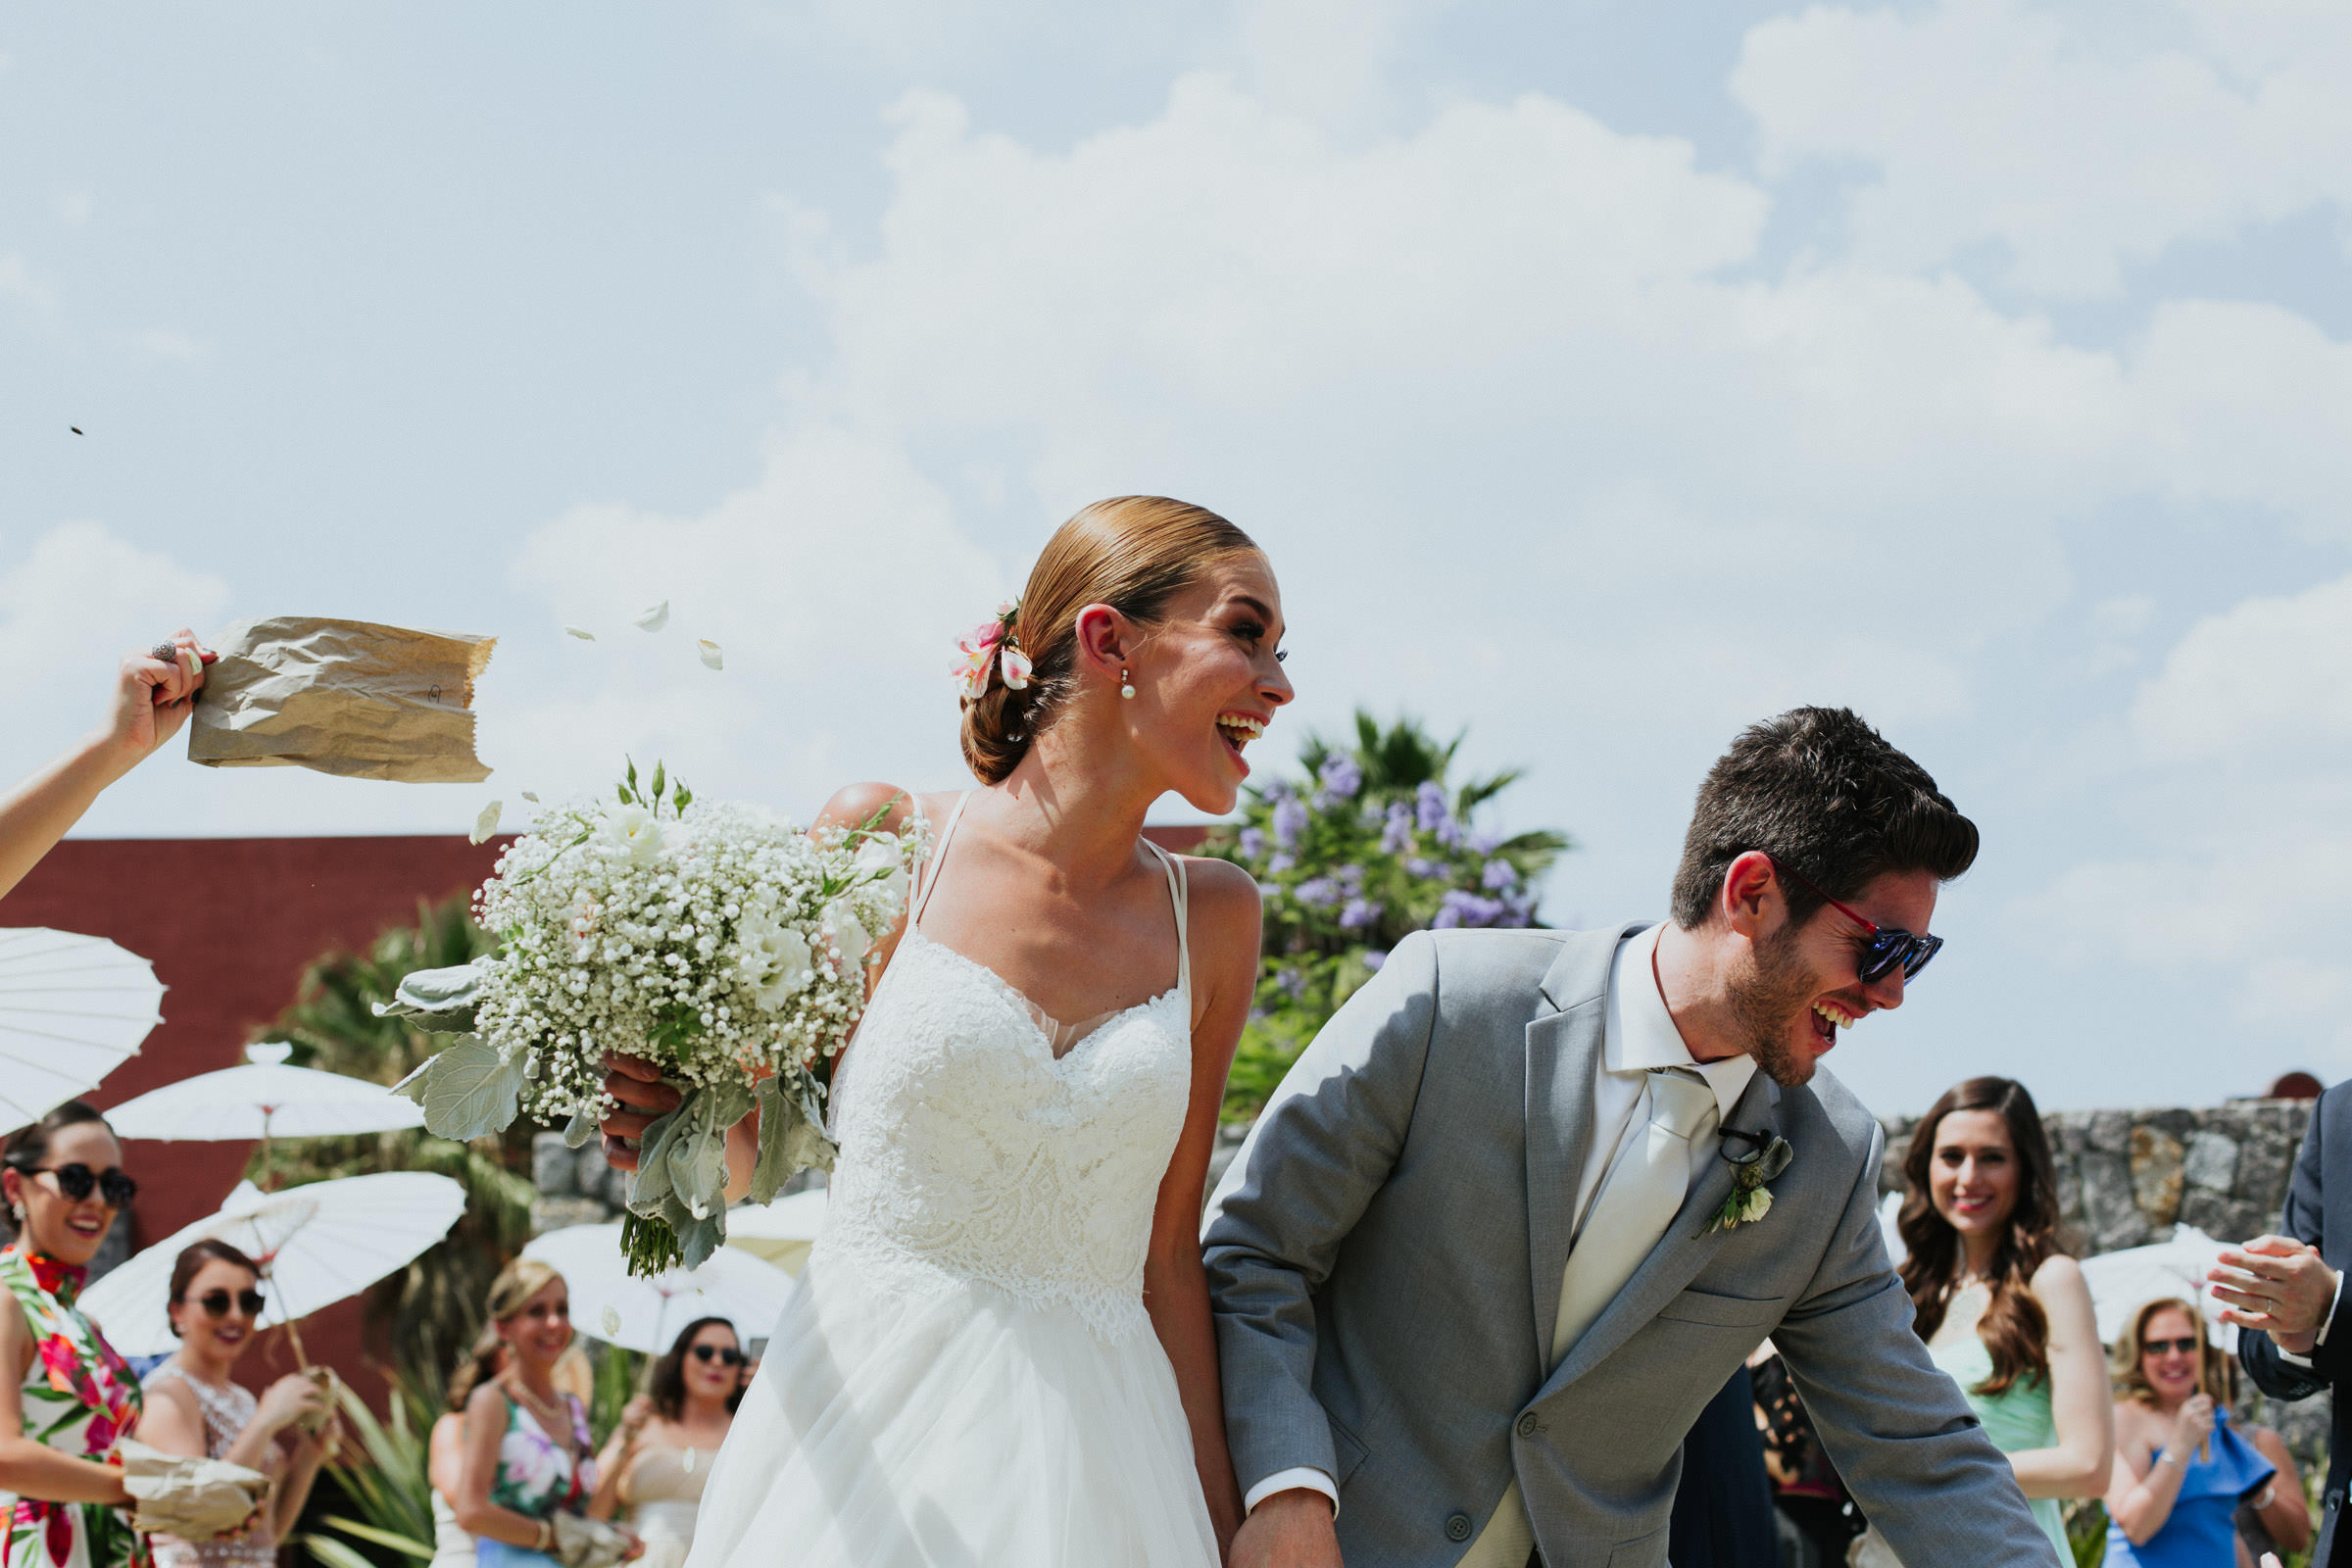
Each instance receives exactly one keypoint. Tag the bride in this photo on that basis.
(1001, 1350)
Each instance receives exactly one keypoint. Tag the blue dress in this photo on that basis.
(2202, 1530)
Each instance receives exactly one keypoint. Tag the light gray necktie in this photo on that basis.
(1637, 1199)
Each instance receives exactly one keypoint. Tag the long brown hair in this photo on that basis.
(2014, 1330)
(1132, 553)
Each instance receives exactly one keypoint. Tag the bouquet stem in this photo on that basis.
(650, 1245)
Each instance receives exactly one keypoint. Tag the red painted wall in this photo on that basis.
(229, 925)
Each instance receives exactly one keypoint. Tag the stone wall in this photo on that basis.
(2126, 1177)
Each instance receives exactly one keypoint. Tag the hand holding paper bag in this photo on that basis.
(343, 697)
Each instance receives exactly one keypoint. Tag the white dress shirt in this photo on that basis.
(1637, 1036)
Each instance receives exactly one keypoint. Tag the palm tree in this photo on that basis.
(429, 1312)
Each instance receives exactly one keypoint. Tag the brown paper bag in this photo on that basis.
(343, 697)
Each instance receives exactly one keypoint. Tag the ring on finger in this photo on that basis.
(165, 653)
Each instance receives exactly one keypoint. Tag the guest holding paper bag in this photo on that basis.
(196, 1410)
(153, 694)
(67, 1399)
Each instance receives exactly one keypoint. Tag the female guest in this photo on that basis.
(527, 1454)
(2001, 1308)
(66, 1398)
(151, 697)
(2180, 1466)
(445, 1448)
(195, 1409)
(661, 1455)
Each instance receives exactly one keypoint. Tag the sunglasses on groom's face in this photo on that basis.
(1886, 948)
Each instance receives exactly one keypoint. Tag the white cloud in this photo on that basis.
(19, 283)
(836, 582)
(70, 607)
(2268, 678)
(2078, 137)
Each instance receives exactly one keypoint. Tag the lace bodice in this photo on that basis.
(970, 1151)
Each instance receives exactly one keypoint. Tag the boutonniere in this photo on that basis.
(1766, 1155)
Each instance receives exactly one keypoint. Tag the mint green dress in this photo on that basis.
(2015, 1420)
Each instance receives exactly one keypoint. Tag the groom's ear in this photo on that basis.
(1752, 890)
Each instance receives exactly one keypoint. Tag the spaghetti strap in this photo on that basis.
(938, 856)
(1180, 888)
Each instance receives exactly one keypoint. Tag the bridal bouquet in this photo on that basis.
(715, 940)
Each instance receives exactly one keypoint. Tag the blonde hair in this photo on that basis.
(516, 1283)
(476, 1367)
(1132, 553)
(2131, 1383)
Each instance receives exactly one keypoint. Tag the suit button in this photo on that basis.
(1528, 1425)
(1457, 1527)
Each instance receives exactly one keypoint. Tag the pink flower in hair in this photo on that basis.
(989, 643)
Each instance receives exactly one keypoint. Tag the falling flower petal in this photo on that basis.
(654, 618)
(581, 632)
(528, 795)
(611, 1323)
(485, 824)
(710, 653)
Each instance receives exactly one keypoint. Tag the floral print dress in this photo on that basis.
(537, 1478)
(79, 1399)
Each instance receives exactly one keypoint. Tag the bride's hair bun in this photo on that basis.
(1132, 553)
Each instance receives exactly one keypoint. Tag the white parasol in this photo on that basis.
(648, 1314)
(265, 1099)
(2121, 1283)
(317, 1243)
(72, 1007)
(781, 1232)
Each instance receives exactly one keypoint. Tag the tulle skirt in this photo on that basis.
(947, 1423)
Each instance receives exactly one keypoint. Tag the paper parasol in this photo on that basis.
(2121, 1283)
(72, 1007)
(317, 1243)
(781, 1232)
(647, 1314)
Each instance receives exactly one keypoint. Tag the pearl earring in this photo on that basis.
(1126, 686)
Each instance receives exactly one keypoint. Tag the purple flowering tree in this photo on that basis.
(1365, 845)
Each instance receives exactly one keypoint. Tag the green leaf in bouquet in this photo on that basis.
(471, 1089)
(438, 1001)
(582, 1126)
(773, 1168)
(698, 1239)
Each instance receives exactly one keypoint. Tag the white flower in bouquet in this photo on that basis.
(717, 941)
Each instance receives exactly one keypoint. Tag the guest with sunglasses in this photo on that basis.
(2002, 1309)
(2186, 1477)
(153, 694)
(661, 1455)
(66, 1398)
(197, 1409)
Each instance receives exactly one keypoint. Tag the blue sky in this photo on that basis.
(1599, 376)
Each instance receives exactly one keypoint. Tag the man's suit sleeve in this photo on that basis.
(1324, 1146)
(2304, 1219)
(1906, 1444)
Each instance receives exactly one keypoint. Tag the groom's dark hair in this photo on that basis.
(1825, 797)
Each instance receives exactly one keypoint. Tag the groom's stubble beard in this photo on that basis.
(1768, 1000)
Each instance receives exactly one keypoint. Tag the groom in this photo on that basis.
(1471, 1276)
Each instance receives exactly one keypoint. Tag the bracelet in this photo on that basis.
(2162, 1456)
(546, 1538)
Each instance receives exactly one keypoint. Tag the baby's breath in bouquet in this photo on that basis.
(715, 940)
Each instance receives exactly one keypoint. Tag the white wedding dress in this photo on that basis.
(965, 1377)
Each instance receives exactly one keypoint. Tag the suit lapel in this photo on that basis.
(1563, 1055)
(1688, 1242)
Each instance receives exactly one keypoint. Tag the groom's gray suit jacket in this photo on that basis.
(1385, 1261)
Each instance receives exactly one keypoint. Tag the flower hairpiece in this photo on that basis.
(991, 646)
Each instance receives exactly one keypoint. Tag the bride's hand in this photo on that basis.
(644, 1099)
